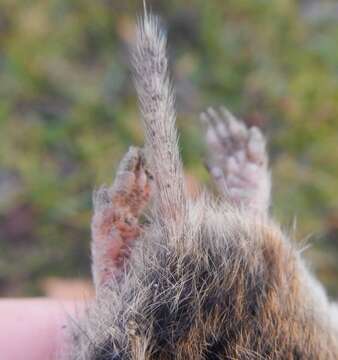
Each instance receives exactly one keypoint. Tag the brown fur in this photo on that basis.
(236, 297)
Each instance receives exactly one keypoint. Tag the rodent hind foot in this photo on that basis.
(238, 160)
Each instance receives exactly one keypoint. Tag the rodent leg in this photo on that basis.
(115, 224)
(238, 160)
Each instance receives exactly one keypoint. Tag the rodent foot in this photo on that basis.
(238, 159)
(115, 224)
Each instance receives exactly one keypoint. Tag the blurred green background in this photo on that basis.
(68, 112)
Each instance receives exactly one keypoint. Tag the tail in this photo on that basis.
(156, 101)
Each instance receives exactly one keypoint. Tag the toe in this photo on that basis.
(101, 198)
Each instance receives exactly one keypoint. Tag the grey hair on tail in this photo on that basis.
(157, 108)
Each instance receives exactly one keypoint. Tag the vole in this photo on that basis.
(203, 278)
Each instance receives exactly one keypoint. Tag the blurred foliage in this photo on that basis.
(68, 112)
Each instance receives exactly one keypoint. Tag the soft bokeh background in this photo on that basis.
(68, 112)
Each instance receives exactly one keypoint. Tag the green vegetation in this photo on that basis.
(68, 112)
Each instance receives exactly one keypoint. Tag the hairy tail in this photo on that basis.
(156, 99)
